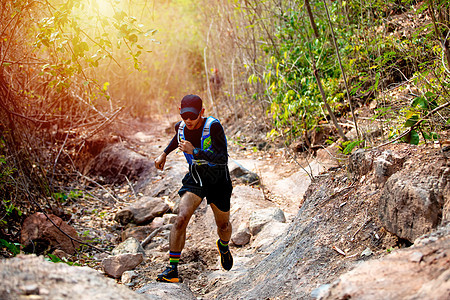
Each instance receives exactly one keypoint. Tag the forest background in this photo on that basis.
(70, 69)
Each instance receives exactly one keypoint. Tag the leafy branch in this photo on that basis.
(415, 125)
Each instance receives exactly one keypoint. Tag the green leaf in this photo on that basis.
(12, 247)
(411, 121)
(420, 102)
(350, 146)
(414, 138)
(429, 95)
(54, 258)
(377, 79)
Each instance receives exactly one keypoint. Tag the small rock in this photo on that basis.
(31, 289)
(242, 174)
(385, 165)
(128, 276)
(416, 256)
(100, 256)
(242, 236)
(321, 291)
(157, 222)
(367, 252)
(137, 232)
(169, 218)
(143, 211)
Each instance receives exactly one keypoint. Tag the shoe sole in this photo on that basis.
(171, 280)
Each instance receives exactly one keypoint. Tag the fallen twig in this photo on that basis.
(154, 233)
(131, 187)
(99, 185)
(339, 251)
(293, 158)
(359, 229)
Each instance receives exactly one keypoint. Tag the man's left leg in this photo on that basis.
(224, 230)
(187, 206)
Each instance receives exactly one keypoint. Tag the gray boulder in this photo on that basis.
(143, 211)
(114, 266)
(32, 277)
(261, 217)
(412, 201)
(131, 245)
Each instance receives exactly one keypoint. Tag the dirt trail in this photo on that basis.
(283, 185)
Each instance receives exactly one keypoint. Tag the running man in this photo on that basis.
(204, 145)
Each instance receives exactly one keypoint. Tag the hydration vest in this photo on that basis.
(205, 141)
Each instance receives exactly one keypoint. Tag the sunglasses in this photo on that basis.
(189, 115)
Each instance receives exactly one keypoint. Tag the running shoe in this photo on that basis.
(170, 274)
(225, 258)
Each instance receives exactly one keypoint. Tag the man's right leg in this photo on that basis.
(188, 204)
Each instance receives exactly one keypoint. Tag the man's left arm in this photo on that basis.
(217, 153)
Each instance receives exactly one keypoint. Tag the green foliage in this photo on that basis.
(7, 206)
(348, 146)
(420, 106)
(71, 196)
(79, 46)
(10, 208)
(376, 56)
(55, 259)
(13, 248)
(296, 103)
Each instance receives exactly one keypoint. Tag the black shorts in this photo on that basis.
(214, 183)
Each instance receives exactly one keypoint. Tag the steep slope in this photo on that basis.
(339, 226)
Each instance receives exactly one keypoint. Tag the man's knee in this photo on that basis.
(181, 221)
(224, 226)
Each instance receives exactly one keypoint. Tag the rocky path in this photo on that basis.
(293, 238)
(282, 186)
(276, 198)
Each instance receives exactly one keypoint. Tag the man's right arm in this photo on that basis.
(172, 145)
(160, 161)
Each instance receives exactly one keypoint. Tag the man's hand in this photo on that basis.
(160, 161)
(186, 147)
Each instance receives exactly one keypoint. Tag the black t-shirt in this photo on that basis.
(217, 154)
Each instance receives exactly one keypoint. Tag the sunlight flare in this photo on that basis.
(103, 7)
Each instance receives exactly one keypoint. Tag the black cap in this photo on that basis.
(191, 103)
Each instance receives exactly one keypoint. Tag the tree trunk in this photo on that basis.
(319, 82)
(311, 19)
(443, 41)
(342, 70)
(324, 97)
